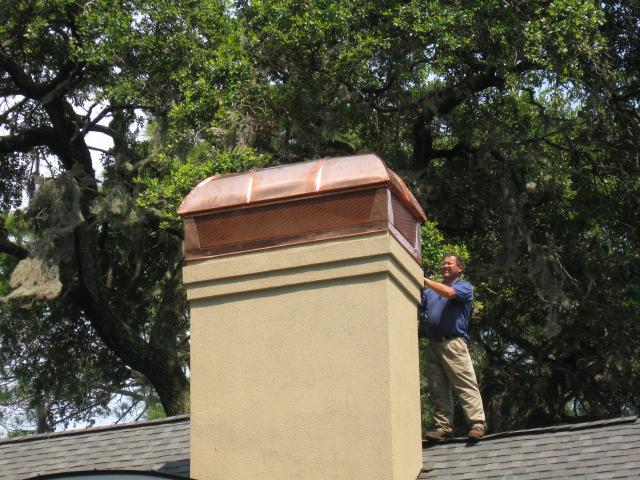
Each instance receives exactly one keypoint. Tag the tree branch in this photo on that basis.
(67, 77)
(453, 151)
(96, 149)
(102, 129)
(443, 101)
(26, 141)
(10, 248)
(22, 80)
(92, 124)
(16, 106)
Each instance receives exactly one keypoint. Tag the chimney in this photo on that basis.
(303, 282)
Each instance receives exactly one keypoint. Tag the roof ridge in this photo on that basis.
(89, 430)
(534, 431)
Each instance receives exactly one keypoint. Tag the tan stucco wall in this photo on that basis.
(304, 363)
(405, 381)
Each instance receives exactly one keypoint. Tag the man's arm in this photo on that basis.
(440, 288)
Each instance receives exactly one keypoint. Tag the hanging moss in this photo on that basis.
(35, 278)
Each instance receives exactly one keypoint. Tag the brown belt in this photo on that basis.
(442, 339)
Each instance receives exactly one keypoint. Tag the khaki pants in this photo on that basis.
(449, 368)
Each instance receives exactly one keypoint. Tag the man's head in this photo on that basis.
(452, 267)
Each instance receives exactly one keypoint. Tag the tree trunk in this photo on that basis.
(155, 359)
(422, 142)
(173, 391)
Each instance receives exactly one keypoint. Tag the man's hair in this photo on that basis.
(459, 259)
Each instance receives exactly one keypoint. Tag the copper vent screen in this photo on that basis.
(295, 220)
(404, 221)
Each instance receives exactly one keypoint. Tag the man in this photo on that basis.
(448, 307)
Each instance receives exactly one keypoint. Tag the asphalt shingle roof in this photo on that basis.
(603, 449)
(159, 445)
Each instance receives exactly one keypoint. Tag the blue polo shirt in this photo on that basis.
(449, 317)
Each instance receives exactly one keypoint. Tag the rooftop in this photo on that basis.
(159, 445)
(602, 449)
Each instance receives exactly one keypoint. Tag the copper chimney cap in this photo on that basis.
(224, 192)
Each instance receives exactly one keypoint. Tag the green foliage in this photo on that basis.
(155, 412)
(507, 124)
(165, 191)
(370, 72)
(69, 69)
(434, 248)
(515, 124)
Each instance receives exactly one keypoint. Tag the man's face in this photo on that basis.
(450, 269)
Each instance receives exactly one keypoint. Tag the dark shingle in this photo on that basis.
(159, 445)
(604, 449)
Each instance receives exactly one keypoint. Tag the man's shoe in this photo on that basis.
(476, 433)
(438, 435)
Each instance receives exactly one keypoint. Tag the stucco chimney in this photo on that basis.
(303, 282)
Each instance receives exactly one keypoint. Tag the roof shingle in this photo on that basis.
(160, 445)
(604, 449)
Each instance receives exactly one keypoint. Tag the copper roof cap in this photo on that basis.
(223, 192)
